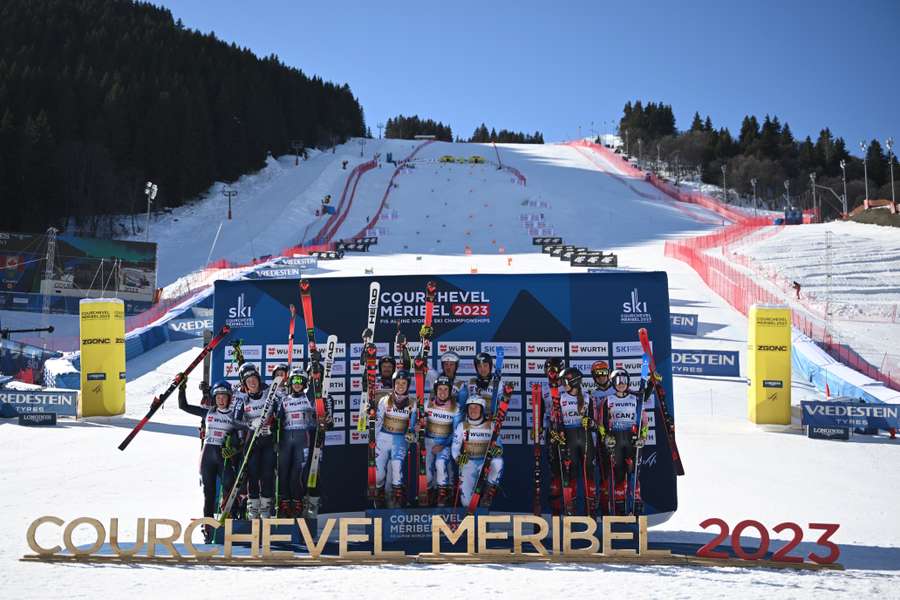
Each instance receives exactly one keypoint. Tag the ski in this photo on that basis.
(498, 372)
(290, 348)
(239, 477)
(559, 441)
(311, 500)
(368, 335)
(421, 365)
(315, 357)
(637, 430)
(401, 352)
(370, 408)
(486, 465)
(536, 401)
(158, 400)
(312, 482)
(661, 408)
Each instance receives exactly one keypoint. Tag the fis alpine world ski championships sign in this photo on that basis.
(579, 317)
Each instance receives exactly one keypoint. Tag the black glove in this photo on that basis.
(182, 381)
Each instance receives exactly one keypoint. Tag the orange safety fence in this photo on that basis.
(741, 290)
(387, 192)
(731, 275)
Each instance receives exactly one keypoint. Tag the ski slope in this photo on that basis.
(734, 469)
(849, 270)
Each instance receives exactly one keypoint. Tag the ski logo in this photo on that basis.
(634, 310)
(241, 314)
(374, 293)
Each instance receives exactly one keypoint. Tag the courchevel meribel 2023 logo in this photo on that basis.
(634, 310)
(241, 314)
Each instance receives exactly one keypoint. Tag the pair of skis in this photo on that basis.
(558, 442)
(370, 355)
(661, 408)
(320, 388)
(536, 411)
(421, 366)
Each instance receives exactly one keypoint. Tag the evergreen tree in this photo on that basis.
(749, 132)
(104, 94)
(697, 123)
(877, 164)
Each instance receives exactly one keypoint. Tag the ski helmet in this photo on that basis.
(555, 364)
(483, 358)
(387, 359)
(572, 377)
(298, 377)
(281, 367)
(401, 374)
(450, 356)
(619, 376)
(221, 387)
(442, 380)
(246, 371)
(600, 368)
(479, 401)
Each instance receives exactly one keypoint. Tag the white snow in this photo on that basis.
(734, 469)
(851, 271)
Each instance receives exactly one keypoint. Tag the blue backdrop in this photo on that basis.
(582, 317)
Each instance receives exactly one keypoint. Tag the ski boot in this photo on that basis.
(398, 496)
(555, 496)
(285, 509)
(379, 500)
(253, 508)
(443, 496)
(488, 497)
(620, 496)
(265, 508)
(297, 508)
(603, 505)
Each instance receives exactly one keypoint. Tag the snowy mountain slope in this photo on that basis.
(852, 271)
(734, 471)
(442, 208)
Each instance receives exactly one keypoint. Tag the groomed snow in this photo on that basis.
(734, 469)
(852, 270)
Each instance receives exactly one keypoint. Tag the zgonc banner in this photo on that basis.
(580, 317)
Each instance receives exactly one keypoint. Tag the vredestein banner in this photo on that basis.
(580, 317)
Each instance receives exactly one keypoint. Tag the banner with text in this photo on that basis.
(580, 317)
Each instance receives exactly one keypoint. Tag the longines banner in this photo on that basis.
(581, 317)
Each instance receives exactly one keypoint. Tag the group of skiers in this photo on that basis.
(599, 432)
(279, 452)
(586, 433)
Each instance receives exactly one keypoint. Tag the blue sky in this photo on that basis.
(555, 66)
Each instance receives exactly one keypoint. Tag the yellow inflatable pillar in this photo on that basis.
(769, 364)
(102, 356)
